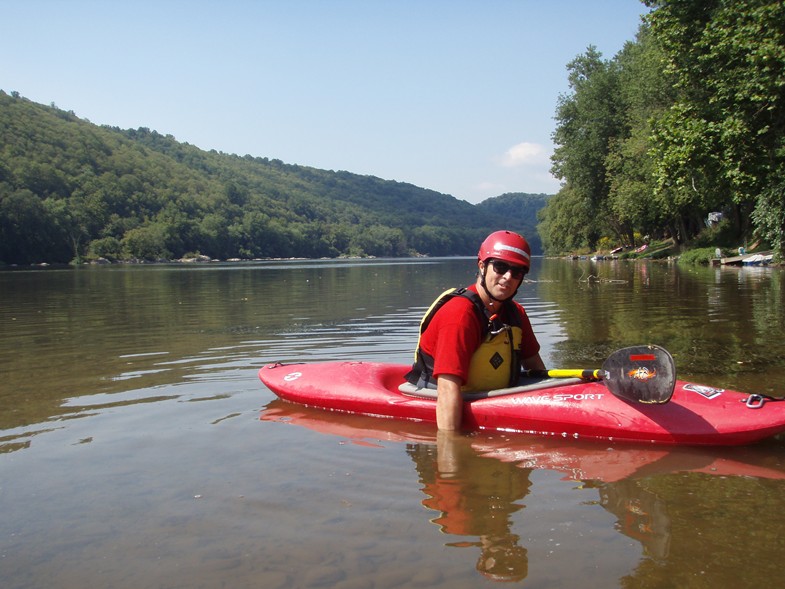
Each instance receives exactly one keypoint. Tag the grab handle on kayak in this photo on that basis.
(757, 400)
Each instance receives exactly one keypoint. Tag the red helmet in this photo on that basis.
(507, 246)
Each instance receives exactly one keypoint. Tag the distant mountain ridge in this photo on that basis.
(72, 190)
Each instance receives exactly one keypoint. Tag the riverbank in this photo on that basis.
(757, 255)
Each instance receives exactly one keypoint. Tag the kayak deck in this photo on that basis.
(695, 415)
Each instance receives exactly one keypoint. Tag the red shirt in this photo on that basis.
(455, 333)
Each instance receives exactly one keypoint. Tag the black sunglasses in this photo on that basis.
(501, 268)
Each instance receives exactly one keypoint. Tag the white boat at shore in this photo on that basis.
(757, 260)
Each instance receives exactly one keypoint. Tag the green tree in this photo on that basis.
(109, 248)
(646, 92)
(28, 233)
(723, 140)
(588, 120)
(769, 213)
(78, 219)
(147, 242)
(380, 241)
(560, 228)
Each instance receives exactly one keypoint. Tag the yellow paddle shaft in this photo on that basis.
(574, 373)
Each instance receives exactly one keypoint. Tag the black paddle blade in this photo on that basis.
(644, 374)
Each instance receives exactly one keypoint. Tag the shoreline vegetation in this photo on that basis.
(667, 251)
(659, 251)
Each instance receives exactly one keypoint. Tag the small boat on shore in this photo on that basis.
(757, 260)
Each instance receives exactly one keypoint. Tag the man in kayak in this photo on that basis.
(478, 337)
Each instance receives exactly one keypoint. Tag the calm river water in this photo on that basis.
(139, 450)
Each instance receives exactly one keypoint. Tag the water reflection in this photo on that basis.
(475, 497)
(128, 392)
(722, 325)
(642, 515)
(80, 332)
(475, 487)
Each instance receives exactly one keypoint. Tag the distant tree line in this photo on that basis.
(686, 120)
(72, 191)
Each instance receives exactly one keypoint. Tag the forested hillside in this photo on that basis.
(71, 190)
(522, 209)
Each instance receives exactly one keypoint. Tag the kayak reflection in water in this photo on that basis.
(476, 496)
(641, 514)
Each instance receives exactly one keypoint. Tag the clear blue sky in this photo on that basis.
(453, 95)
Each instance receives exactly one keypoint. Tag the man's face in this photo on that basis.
(501, 278)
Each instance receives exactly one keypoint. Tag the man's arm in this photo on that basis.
(533, 363)
(449, 402)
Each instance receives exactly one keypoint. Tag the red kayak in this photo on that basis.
(567, 408)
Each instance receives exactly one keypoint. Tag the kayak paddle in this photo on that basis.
(645, 374)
